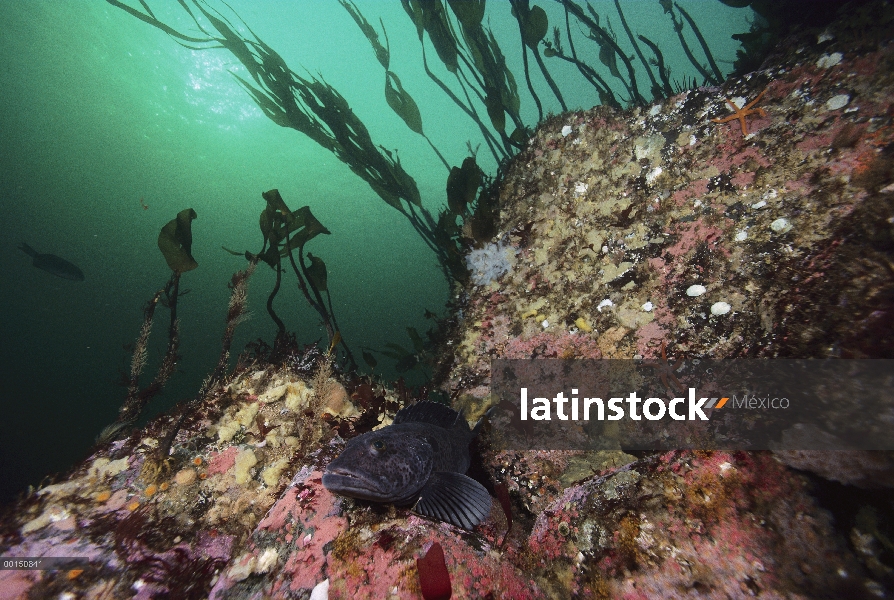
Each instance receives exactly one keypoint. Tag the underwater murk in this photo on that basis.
(254, 249)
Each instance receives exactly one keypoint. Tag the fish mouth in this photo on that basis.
(347, 483)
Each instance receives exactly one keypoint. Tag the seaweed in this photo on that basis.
(533, 25)
(175, 244)
(484, 89)
(285, 234)
(145, 544)
(610, 52)
(470, 52)
(400, 101)
(434, 579)
(308, 105)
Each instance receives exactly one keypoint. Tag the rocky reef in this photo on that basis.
(754, 219)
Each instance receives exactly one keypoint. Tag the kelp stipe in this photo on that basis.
(175, 243)
(610, 52)
(533, 26)
(400, 100)
(285, 234)
(237, 312)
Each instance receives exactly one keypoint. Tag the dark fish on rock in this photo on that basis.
(53, 264)
(418, 460)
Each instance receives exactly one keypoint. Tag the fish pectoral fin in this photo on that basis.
(454, 498)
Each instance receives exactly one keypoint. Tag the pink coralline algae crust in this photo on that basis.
(695, 189)
(726, 524)
(373, 557)
(548, 538)
(15, 584)
(379, 562)
(221, 462)
(646, 339)
(313, 519)
(477, 573)
(688, 235)
(298, 526)
(374, 570)
(115, 502)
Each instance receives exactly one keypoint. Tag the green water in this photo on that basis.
(103, 115)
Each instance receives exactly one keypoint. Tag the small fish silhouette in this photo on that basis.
(53, 264)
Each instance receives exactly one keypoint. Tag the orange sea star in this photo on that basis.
(741, 113)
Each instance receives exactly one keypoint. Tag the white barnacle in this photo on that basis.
(829, 60)
(839, 101)
(720, 308)
(781, 225)
(320, 591)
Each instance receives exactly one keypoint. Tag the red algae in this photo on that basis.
(646, 335)
(221, 462)
(690, 234)
(434, 580)
(503, 496)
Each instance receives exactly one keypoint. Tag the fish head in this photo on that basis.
(389, 465)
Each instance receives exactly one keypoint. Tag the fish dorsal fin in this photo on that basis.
(454, 498)
(428, 412)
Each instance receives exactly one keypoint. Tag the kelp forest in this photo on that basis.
(462, 57)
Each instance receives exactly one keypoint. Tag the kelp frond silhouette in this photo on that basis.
(485, 88)
(286, 232)
(175, 244)
(309, 105)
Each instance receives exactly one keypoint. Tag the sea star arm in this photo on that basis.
(741, 113)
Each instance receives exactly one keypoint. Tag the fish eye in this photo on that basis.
(379, 444)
